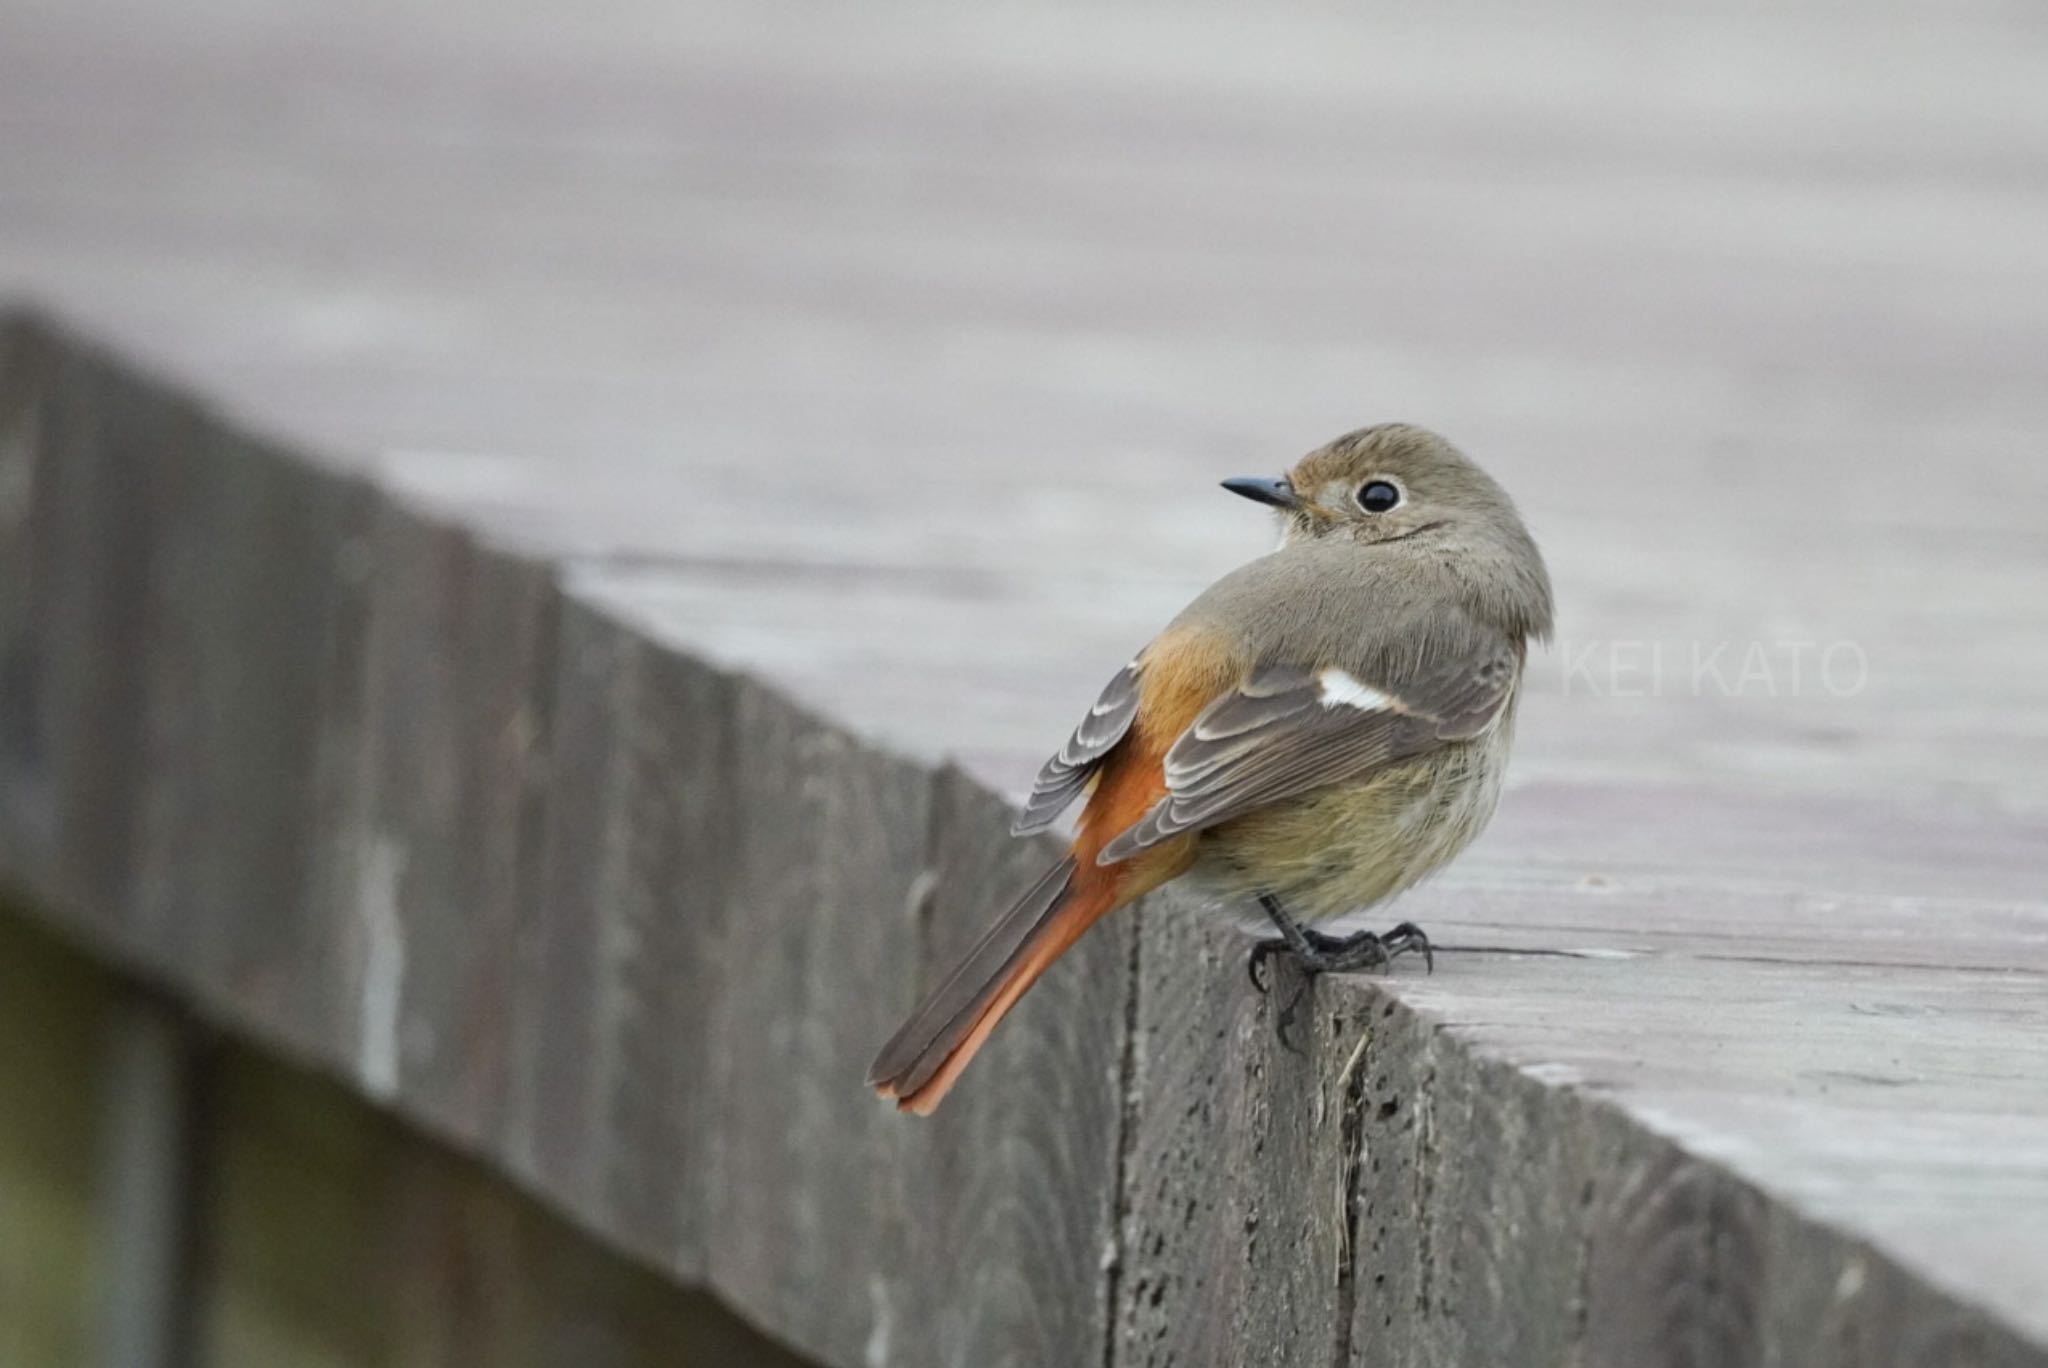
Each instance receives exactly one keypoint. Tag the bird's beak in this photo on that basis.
(1278, 493)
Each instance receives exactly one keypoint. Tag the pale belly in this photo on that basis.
(1344, 848)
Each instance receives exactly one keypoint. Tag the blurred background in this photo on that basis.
(1742, 301)
(1739, 300)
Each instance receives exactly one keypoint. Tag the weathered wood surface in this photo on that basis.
(678, 435)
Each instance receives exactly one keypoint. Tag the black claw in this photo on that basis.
(1317, 953)
(1262, 952)
(1412, 937)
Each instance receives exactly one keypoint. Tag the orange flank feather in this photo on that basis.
(916, 1069)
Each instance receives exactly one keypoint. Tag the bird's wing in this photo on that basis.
(1067, 773)
(1290, 729)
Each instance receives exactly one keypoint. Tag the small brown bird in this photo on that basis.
(1319, 730)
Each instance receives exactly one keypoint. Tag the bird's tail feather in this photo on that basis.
(923, 1059)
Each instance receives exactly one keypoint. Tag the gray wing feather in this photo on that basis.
(1278, 737)
(1067, 774)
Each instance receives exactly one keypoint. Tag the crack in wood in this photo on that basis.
(1127, 1136)
(1351, 1082)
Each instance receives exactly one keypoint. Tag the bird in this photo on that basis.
(1316, 732)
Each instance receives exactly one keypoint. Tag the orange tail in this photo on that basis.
(922, 1060)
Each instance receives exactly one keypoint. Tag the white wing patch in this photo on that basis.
(1336, 688)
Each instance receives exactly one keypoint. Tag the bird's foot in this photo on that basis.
(1317, 953)
(1334, 955)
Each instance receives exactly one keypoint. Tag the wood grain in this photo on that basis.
(660, 927)
(812, 950)
(1237, 1233)
(1011, 1188)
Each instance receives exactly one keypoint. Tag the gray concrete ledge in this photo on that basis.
(463, 824)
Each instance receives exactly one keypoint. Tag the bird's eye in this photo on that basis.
(1377, 496)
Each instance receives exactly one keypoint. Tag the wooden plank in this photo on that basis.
(1237, 1232)
(182, 577)
(26, 361)
(459, 656)
(91, 687)
(813, 951)
(243, 590)
(1010, 1191)
(660, 931)
(347, 874)
(557, 964)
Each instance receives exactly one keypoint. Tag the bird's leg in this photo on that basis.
(1317, 953)
(1293, 939)
(1321, 954)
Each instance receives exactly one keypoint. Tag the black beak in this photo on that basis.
(1278, 493)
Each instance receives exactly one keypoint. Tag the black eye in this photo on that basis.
(1378, 496)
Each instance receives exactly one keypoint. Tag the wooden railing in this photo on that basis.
(506, 838)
